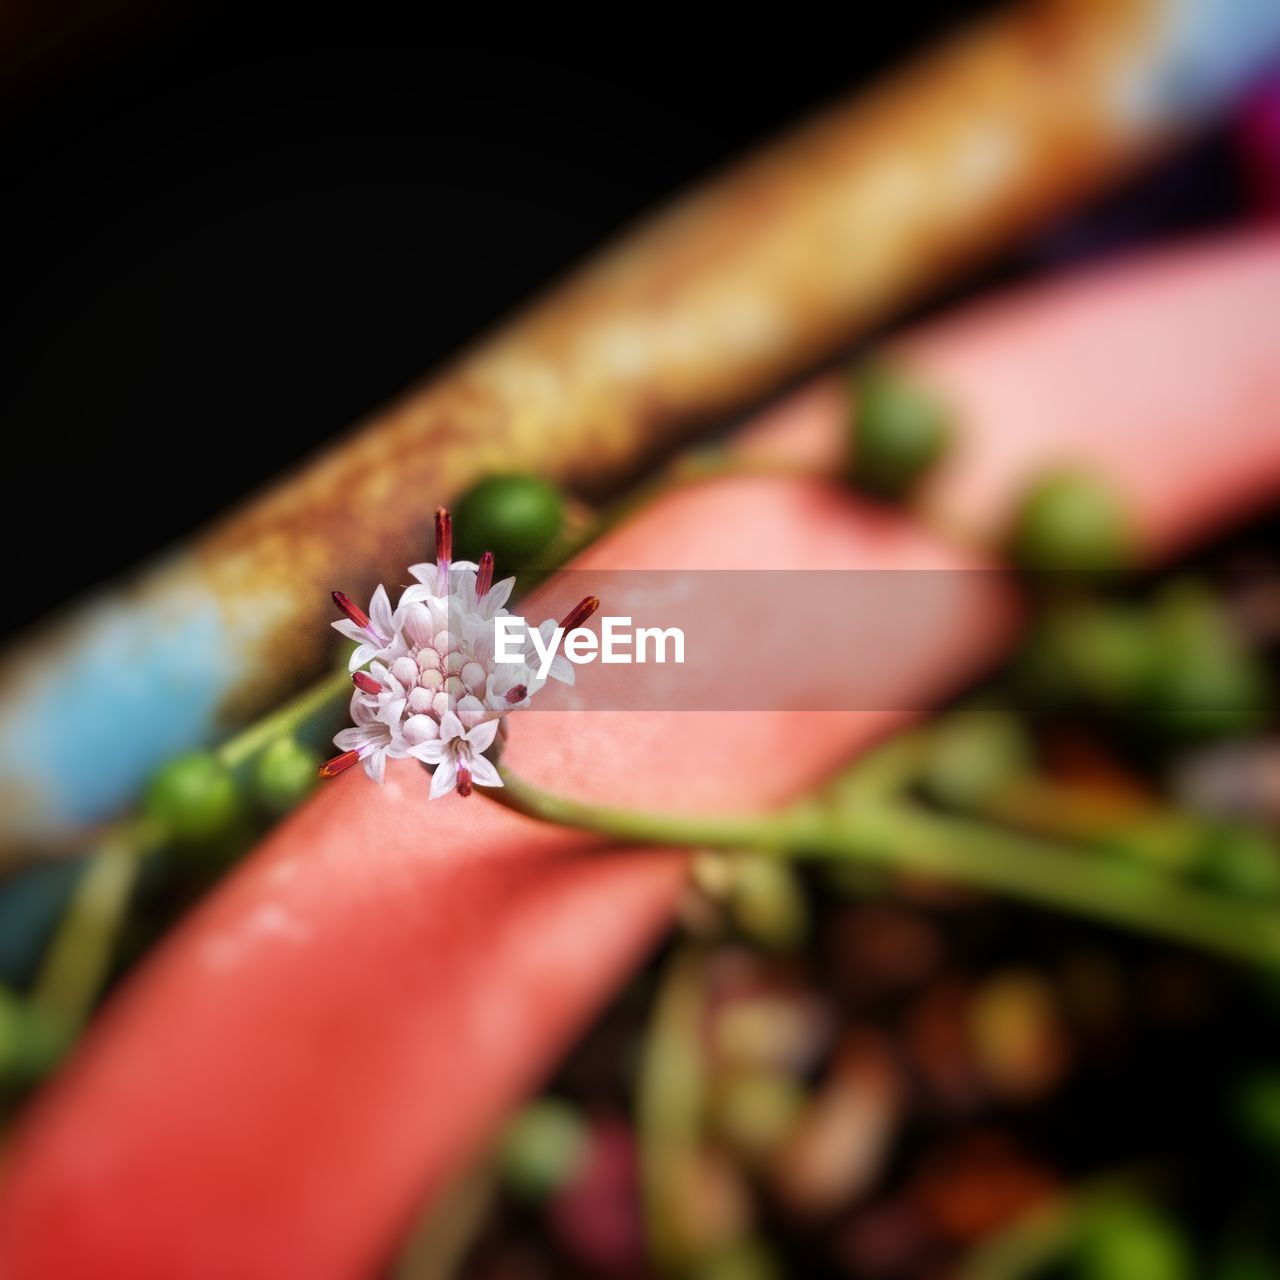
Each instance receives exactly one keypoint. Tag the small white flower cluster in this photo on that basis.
(432, 689)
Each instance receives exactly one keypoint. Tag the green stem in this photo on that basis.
(79, 957)
(285, 719)
(899, 835)
(639, 827)
(670, 1096)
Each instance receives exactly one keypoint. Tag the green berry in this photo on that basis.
(768, 902)
(1070, 522)
(1243, 861)
(754, 1111)
(194, 797)
(286, 773)
(543, 1149)
(31, 1043)
(899, 433)
(1132, 1242)
(516, 517)
(1204, 682)
(972, 754)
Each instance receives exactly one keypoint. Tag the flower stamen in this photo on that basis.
(484, 576)
(365, 682)
(580, 613)
(357, 615)
(339, 764)
(444, 548)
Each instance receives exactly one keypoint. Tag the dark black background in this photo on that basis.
(226, 240)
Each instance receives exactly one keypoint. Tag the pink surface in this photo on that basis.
(347, 1019)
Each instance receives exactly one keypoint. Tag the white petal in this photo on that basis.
(498, 595)
(380, 611)
(363, 708)
(362, 655)
(393, 712)
(481, 737)
(451, 726)
(375, 765)
(562, 669)
(444, 779)
(417, 623)
(484, 773)
(345, 627)
(414, 595)
(432, 752)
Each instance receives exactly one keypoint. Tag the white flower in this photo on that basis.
(458, 756)
(373, 633)
(434, 689)
(371, 739)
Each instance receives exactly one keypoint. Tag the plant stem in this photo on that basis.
(898, 834)
(669, 1103)
(76, 964)
(285, 719)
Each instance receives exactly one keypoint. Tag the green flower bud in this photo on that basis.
(754, 1111)
(516, 517)
(194, 797)
(543, 1149)
(768, 902)
(1103, 655)
(972, 754)
(285, 774)
(899, 434)
(1204, 682)
(1070, 522)
(31, 1043)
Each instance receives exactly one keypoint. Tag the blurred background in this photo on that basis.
(227, 239)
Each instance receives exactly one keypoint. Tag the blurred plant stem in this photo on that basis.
(669, 1105)
(79, 957)
(892, 831)
(286, 719)
(439, 1242)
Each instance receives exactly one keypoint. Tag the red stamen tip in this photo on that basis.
(444, 534)
(517, 693)
(339, 764)
(351, 609)
(484, 577)
(464, 780)
(580, 613)
(365, 682)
